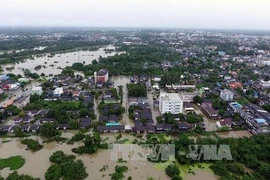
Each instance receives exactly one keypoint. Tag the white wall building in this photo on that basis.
(170, 102)
(226, 95)
(37, 90)
(58, 92)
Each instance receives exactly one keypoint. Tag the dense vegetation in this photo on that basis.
(136, 90)
(65, 167)
(119, 172)
(14, 162)
(250, 152)
(91, 144)
(32, 144)
(15, 176)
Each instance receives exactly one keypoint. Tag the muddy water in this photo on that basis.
(59, 60)
(122, 81)
(37, 163)
(235, 134)
(201, 175)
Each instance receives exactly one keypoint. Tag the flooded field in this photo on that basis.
(54, 65)
(201, 175)
(235, 134)
(93, 162)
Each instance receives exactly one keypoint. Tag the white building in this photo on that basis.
(37, 90)
(188, 96)
(58, 92)
(226, 95)
(170, 102)
(265, 84)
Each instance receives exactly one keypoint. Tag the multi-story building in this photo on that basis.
(170, 102)
(101, 76)
(226, 95)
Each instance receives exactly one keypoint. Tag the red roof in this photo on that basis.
(236, 85)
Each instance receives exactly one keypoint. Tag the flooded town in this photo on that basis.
(134, 104)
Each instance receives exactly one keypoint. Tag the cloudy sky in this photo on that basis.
(220, 14)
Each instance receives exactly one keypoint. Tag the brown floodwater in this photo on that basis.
(201, 175)
(37, 163)
(235, 134)
(53, 64)
(122, 81)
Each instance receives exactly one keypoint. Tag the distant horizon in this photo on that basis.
(129, 27)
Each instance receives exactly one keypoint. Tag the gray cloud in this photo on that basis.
(236, 14)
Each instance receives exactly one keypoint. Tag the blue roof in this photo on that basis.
(260, 121)
(236, 104)
(112, 124)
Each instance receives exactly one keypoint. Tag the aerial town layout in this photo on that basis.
(68, 94)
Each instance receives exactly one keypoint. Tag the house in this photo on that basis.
(111, 128)
(208, 109)
(156, 79)
(150, 128)
(46, 120)
(163, 127)
(201, 124)
(110, 100)
(32, 113)
(227, 122)
(236, 85)
(188, 107)
(62, 126)
(113, 118)
(103, 118)
(58, 92)
(101, 76)
(34, 128)
(137, 100)
(85, 123)
(36, 90)
(170, 102)
(25, 128)
(61, 79)
(188, 96)
(226, 95)
(184, 126)
(139, 129)
(6, 128)
(22, 101)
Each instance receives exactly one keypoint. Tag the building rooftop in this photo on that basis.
(170, 97)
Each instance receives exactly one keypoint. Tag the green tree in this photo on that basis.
(197, 99)
(48, 130)
(172, 170)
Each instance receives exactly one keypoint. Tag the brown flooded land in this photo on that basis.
(37, 163)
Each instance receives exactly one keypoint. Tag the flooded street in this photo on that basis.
(210, 125)
(235, 134)
(53, 65)
(122, 81)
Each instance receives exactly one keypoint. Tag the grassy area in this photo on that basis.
(14, 162)
(184, 169)
(124, 141)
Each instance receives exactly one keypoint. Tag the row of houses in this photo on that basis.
(148, 128)
(255, 117)
(84, 123)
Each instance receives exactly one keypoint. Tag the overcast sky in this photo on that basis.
(220, 14)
